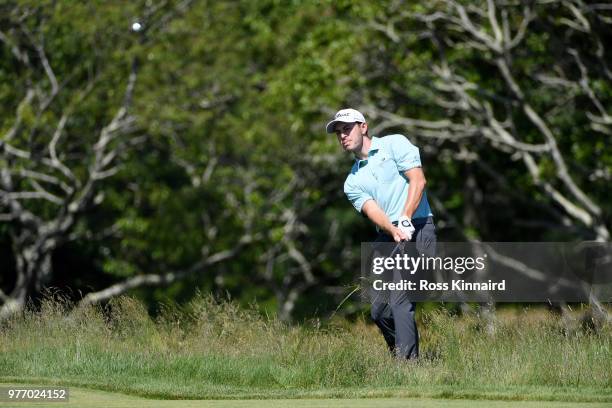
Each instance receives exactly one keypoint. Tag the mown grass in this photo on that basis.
(215, 349)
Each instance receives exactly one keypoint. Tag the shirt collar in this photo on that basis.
(374, 148)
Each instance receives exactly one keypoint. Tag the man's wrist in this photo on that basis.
(404, 218)
(387, 227)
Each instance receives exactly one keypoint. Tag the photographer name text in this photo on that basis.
(455, 284)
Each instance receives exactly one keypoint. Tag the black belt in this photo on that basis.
(419, 221)
(415, 221)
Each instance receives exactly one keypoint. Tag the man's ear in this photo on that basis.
(364, 128)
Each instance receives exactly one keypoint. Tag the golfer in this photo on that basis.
(387, 185)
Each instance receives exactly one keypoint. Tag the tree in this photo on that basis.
(501, 83)
(71, 96)
(197, 182)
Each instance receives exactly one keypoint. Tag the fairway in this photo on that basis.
(85, 398)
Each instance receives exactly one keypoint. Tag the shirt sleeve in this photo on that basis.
(405, 154)
(356, 195)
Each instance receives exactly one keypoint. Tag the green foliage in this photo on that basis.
(230, 103)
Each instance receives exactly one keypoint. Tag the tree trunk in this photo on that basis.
(33, 272)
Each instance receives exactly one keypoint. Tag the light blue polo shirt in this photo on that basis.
(380, 177)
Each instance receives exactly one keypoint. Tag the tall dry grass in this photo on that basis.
(217, 349)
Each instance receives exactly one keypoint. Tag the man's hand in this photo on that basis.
(404, 224)
(397, 234)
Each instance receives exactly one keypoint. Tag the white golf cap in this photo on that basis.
(346, 116)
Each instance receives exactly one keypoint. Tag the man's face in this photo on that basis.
(350, 135)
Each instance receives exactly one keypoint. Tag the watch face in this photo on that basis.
(405, 223)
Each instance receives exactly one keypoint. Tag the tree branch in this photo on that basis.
(31, 195)
(17, 52)
(163, 279)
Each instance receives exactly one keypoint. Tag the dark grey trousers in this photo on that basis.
(396, 318)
